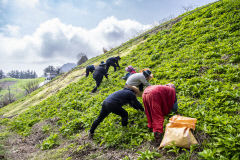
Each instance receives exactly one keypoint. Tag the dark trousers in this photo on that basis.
(98, 82)
(108, 108)
(87, 72)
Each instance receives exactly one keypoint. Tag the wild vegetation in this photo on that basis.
(199, 54)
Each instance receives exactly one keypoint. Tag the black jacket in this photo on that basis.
(112, 60)
(100, 72)
(124, 96)
(90, 68)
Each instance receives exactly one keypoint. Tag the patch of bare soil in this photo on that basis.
(22, 148)
(25, 148)
(90, 150)
(4, 85)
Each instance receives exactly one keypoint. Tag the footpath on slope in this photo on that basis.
(51, 88)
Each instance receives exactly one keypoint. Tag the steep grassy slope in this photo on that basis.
(199, 54)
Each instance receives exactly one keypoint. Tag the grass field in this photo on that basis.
(15, 86)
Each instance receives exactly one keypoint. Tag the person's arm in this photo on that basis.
(170, 85)
(117, 63)
(87, 72)
(135, 103)
(144, 81)
(105, 73)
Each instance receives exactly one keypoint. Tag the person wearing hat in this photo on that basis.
(130, 71)
(113, 104)
(139, 80)
(113, 61)
(89, 68)
(98, 75)
(159, 101)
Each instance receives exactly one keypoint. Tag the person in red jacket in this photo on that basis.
(159, 101)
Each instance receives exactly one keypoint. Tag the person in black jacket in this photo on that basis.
(113, 61)
(89, 68)
(113, 104)
(98, 75)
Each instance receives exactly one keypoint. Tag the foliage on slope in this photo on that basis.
(199, 54)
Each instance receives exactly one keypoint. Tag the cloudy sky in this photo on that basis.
(38, 33)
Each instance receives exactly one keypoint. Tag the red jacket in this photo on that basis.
(158, 102)
(132, 72)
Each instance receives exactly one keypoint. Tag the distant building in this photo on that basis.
(51, 75)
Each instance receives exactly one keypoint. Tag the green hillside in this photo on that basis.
(16, 86)
(200, 54)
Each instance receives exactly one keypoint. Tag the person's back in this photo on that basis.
(139, 80)
(98, 75)
(100, 71)
(136, 79)
(113, 61)
(166, 95)
(121, 97)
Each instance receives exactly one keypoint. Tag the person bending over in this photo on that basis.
(113, 104)
(89, 68)
(130, 71)
(159, 101)
(139, 80)
(98, 75)
(113, 61)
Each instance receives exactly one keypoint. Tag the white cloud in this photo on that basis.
(55, 43)
(27, 3)
(101, 4)
(117, 2)
(11, 30)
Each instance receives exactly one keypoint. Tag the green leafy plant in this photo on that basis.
(148, 155)
(50, 142)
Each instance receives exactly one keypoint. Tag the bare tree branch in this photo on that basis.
(31, 86)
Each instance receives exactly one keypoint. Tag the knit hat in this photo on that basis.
(129, 69)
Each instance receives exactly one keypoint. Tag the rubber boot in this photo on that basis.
(158, 137)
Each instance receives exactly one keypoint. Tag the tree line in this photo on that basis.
(19, 74)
